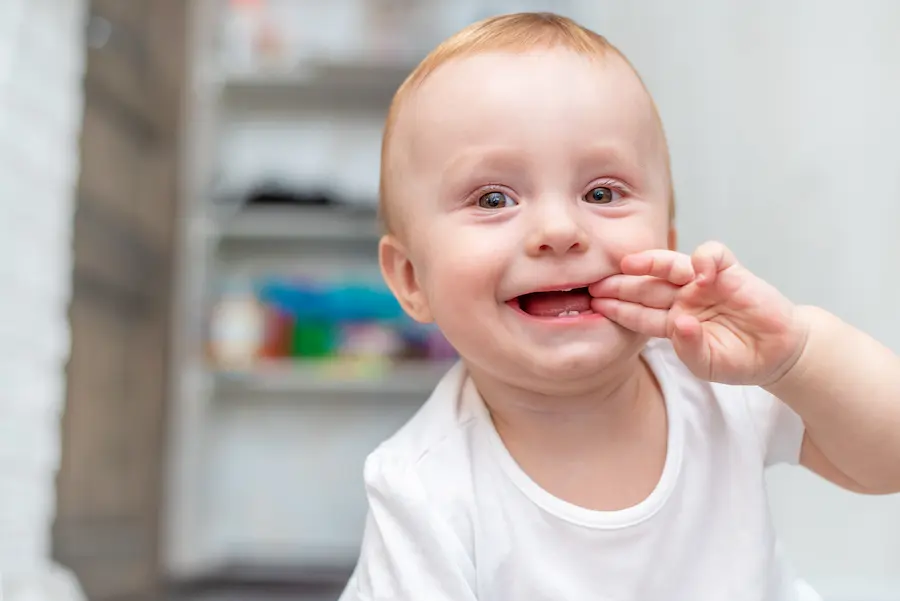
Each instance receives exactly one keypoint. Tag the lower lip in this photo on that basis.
(564, 320)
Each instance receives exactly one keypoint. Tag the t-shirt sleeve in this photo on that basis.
(778, 427)
(408, 552)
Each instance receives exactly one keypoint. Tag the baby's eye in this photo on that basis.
(495, 200)
(601, 195)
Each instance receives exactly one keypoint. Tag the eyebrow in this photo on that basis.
(484, 158)
(608, 155)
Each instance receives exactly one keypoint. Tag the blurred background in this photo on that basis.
(196, 349)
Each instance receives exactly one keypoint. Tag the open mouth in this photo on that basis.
(556, 303)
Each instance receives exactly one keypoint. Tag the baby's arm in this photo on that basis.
(729, 326)
(408, 553)
(846, 388)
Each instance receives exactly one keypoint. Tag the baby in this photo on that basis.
(606, 432)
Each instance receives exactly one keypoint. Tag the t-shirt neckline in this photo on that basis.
(621, 518)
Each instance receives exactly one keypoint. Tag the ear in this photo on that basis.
(673, 238)
(400, 274)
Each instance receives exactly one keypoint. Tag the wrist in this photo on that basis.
(803, 320)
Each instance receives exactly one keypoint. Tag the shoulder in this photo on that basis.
(428, 461)
(435, 427)
(676, 379)
(746, 411)
(418, 533)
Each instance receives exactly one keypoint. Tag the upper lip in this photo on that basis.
(557, 288)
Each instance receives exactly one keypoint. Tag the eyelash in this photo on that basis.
(612, 184)
(486, 189)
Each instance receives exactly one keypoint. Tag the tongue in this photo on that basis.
(551, 304)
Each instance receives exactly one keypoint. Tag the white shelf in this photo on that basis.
(308, 223)
(370, 84)
(328, 377)
(322, 73)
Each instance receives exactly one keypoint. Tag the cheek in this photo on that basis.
(461, 285)
(633, 236)
(463, 268)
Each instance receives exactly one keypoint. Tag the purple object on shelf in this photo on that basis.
(369, 340)
(439, 347)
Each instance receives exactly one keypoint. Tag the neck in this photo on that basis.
(597, 416)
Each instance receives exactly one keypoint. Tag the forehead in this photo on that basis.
(530, 99)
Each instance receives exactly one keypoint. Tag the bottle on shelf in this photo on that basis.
(237, 327)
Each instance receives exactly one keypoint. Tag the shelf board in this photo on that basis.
(328, 377)
(364, 83)
(298, 224)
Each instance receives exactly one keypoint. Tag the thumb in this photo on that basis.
(690, 344)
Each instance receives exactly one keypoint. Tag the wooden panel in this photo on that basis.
(166, 47)
(109, 485)
(129, 14)
(110, 158)
(157, 176)
(119, 73)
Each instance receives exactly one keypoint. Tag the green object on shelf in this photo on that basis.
(313, 339)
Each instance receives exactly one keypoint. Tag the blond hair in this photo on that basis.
(510, 32)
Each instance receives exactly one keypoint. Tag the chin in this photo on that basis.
(582, 361)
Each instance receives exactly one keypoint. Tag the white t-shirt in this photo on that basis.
(453, 517)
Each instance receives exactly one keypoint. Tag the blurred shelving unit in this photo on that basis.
(298, 379)
(265, 460)
(308, 224)
(363, 83)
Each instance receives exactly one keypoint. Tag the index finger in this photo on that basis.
(669, 265)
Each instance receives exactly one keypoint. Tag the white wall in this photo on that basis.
(41, 63)
(784, 124)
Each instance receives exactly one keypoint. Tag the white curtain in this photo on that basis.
(41, 64)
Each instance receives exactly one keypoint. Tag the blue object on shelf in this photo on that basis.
(307, 300)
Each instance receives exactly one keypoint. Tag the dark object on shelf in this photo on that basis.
(275, 195)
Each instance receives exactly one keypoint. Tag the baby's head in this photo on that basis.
(522, 158)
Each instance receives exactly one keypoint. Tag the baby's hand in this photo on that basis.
(726, 324)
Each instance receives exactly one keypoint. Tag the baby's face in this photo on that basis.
(522, 174)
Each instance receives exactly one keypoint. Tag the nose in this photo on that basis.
(557, 230)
